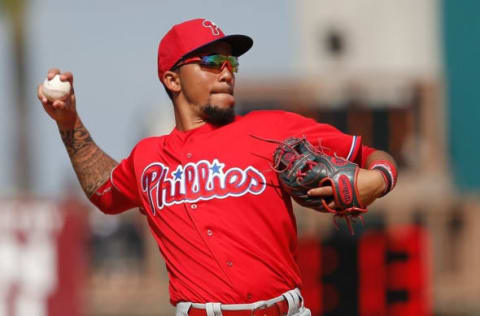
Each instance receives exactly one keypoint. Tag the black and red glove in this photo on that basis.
(302, 167)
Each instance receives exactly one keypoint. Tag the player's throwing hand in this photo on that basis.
(63, 110)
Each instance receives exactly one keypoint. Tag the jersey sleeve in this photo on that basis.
(120, 192)
(332, 140)
(365, 153)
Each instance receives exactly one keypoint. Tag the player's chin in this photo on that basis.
(218, 115)
(222, 100)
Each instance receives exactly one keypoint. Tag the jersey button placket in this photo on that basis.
(193, 206)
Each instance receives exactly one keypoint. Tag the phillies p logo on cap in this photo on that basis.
(212, 26)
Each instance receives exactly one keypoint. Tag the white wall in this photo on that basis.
(382, 36)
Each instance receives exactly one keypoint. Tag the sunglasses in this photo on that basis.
(213, 61)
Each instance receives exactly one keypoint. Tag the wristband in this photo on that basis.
(389, 173)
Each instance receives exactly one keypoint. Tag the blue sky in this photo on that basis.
(110, 46)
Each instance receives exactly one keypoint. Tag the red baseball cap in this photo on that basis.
(186, 37)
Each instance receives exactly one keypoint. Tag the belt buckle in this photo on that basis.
(260, 307)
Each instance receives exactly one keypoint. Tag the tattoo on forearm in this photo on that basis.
(76, 139)
(90, 163)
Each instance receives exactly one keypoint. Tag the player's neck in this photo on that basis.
(186, 120)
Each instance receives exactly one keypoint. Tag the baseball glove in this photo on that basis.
(302, 167)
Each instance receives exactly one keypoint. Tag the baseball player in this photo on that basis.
(212, 201)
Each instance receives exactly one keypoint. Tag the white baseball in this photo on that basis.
(56, 89)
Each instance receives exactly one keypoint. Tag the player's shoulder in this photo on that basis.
(277, 119)
(280, 121)
(150, 142)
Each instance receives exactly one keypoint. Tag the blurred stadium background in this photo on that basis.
(401, 73)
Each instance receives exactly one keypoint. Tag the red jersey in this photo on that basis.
(213, 203)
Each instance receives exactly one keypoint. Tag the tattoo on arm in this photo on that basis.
(90, 163)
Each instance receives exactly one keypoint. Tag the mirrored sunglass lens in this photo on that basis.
(220, 59)
(231, 59)
(213, 60)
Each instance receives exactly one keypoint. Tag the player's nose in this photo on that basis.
(226, 75)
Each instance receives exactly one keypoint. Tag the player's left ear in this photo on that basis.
(171, 81)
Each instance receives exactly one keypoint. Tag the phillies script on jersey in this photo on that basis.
(213, 203)
(202, 180)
